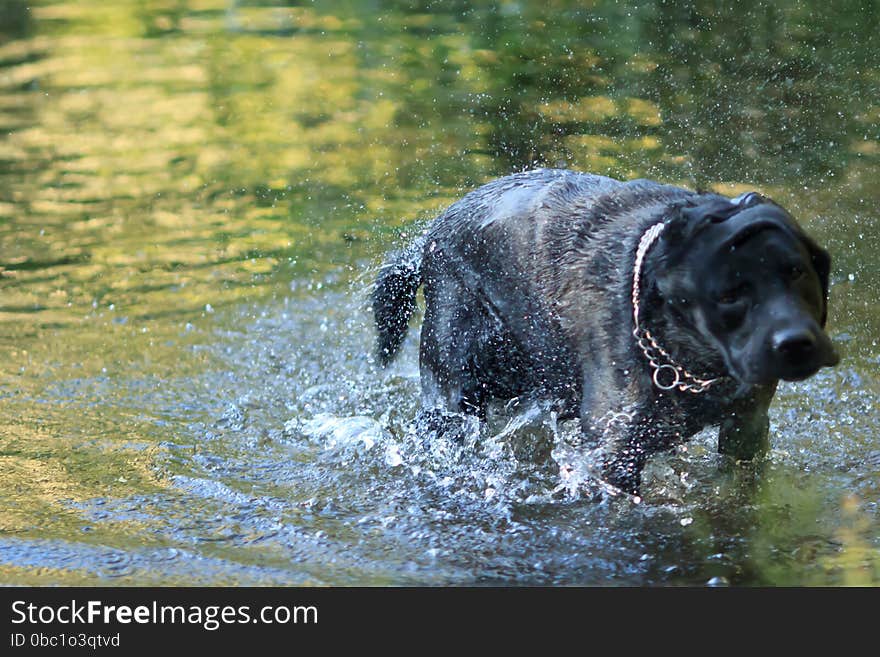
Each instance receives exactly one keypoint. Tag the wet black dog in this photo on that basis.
(646, 310)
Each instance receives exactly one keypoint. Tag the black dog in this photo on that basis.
(646, 310)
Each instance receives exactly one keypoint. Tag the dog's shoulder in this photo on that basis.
(639, 196)
(587, 210)
(522, 196)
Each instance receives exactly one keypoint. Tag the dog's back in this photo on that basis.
(504, 214)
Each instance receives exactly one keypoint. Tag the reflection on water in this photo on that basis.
(194, 195)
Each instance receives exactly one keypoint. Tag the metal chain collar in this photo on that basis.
(668, 374)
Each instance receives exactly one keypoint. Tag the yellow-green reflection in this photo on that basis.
(163, 162)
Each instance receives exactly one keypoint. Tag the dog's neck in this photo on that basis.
(666, 373)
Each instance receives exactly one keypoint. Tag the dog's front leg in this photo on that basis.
(620, 433)
(613, 419)
(744, 433)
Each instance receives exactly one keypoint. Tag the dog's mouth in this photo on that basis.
(786, 371)
(804, 370)
(800, 372)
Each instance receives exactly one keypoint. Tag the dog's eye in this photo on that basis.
(732, 295)
(794, 273)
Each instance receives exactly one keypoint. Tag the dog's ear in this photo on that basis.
(681, 223)
(819, 257)
(821, 261)
(685, 219)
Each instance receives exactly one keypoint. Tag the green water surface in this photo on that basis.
(194, 199)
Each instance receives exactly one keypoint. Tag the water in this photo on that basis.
(194, 200)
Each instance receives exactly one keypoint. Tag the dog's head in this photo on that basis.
(743, 275)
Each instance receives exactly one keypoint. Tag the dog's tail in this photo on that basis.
(394, 298)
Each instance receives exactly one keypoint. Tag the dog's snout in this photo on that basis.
(794, 343)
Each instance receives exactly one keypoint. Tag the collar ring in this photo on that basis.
(662, 370)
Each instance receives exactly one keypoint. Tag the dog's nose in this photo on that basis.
(794, 343)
